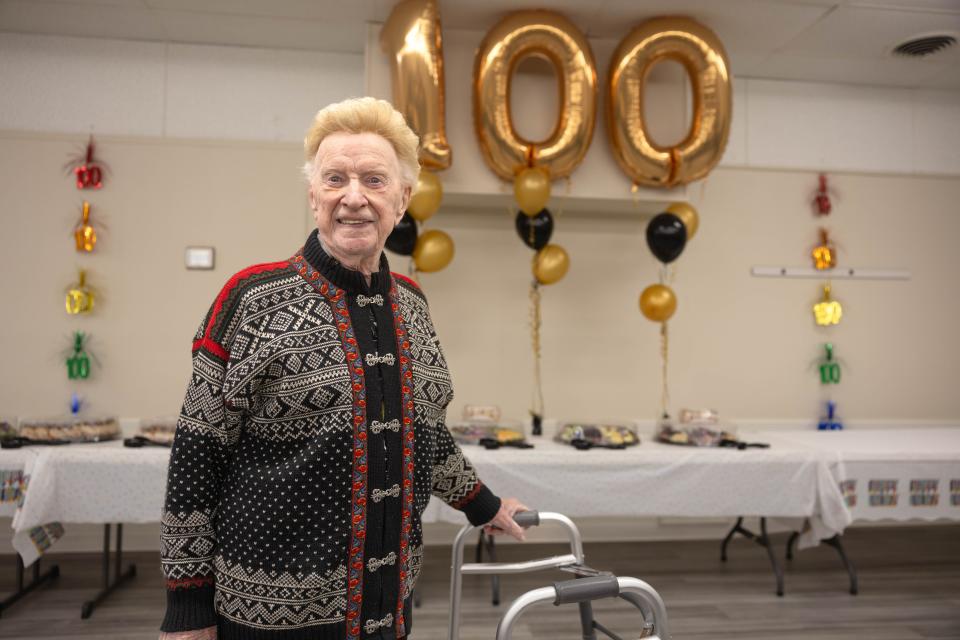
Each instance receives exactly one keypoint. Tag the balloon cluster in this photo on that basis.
(534, 224)
(412, 38)
(431, 250)
(667, 236)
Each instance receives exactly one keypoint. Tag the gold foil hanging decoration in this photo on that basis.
(84, 233)
(80, 298)
(828, 311)
(825, 254)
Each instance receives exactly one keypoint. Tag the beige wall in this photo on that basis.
(739, 344)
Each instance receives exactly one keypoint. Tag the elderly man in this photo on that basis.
(312, 434)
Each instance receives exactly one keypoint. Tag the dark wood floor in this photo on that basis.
(909, 588)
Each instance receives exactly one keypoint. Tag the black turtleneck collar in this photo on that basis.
(347, 279)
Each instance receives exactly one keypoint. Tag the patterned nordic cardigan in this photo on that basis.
(311, 438)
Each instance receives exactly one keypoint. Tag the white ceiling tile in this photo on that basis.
(866, 32)
(742, 25)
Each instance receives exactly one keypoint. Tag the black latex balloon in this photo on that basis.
(666, 237)
(403, 238)
(535, 231)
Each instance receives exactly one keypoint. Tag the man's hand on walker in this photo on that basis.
(503, 521)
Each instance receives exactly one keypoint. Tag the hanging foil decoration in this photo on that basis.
(84, 233)
(78, 364)
(830, 422)
(80, 297)
(821, 202)
(828, 311)
(76, 403)
(829, 368)
(86, 168)
(824, 254)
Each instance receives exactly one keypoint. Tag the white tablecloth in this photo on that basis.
(99, 483)
(656, 479)
(900, 474)
(800, 476)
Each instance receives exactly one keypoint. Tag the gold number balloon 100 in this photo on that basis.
(412, 39)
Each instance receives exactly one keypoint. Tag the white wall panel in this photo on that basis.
(936, 144)
(800, 125)
(253, 94)
(75, 85)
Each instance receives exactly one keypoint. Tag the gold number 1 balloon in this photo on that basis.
(548, 35)
(411, 37)
(700, 52)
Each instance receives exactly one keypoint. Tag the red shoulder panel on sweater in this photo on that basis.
(225, 292)
(409, 281)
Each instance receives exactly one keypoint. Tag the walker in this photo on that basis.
(588, 585)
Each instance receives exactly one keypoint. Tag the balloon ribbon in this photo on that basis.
(665, 392)
(536, 410)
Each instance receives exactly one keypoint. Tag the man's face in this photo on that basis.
(356, 196)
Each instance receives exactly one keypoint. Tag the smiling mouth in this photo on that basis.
(354, 222)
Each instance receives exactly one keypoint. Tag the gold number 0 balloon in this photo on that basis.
(550, 36)
(699, 50)
(411, 37)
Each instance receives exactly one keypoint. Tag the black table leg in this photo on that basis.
(792, 544)
(763, 540)
(119, 576)
(836, 543)
(23, 589)
(848, 565)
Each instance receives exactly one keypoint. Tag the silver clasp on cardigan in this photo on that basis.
(370, 626)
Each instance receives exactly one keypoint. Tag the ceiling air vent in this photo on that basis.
(924, 46)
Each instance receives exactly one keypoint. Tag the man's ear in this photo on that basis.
(404, 201)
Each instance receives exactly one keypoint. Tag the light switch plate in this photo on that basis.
(199, 258)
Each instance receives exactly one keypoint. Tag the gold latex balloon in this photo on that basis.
(85, 235)
(80, 299)
(426, 199)
(550, 264)
(412, 38)
(531, 188)
(658, 302)
(828, 311)
(700, 52)
(688, 216)
(550, 36)
(433, 251)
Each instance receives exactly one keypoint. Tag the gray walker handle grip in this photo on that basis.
(527, 518)
(586, 589)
